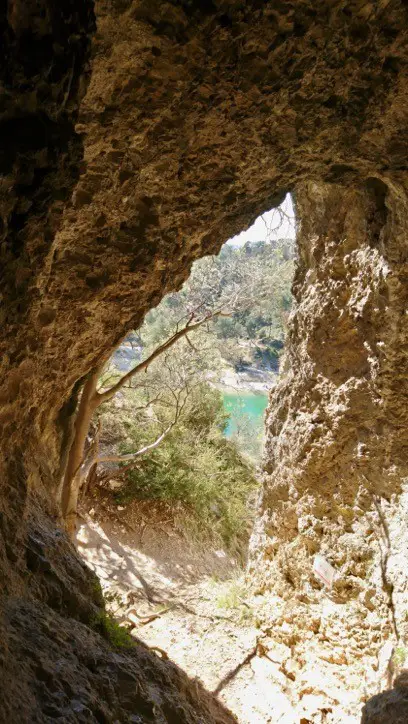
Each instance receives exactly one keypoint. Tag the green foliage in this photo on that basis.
(258, 277)
(197, 466)
(400, 655)
(97, 591)
(112, 631)
(233, 594)
(232, 597)
(172, 402)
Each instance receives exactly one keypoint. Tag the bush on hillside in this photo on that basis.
(197, 466)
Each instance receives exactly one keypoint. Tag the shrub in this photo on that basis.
(112, 631)
(197, 466)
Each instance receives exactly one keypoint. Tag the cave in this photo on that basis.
(136, 137)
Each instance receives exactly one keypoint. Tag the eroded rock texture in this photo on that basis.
(335, 457)
(198, 116)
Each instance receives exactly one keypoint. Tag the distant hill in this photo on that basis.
(258, 276)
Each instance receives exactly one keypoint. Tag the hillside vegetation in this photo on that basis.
(163, 434)
(253, 284)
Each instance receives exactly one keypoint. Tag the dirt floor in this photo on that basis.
(190, 603)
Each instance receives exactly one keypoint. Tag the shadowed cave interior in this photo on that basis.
(136, 137)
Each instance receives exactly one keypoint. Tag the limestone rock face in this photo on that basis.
(118, 169)
(335, 464)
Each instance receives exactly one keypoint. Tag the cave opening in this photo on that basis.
(172, 459)
(136, 145)
(235, 306)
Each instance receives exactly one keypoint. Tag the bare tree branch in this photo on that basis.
(189, 327)
(142, 451)
(132, 456)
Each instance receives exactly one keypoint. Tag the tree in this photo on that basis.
(258, 277)
(242, 292)
(80, 459)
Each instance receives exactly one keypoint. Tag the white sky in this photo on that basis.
(271, 225)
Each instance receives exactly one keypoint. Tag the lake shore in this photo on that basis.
(250, 380)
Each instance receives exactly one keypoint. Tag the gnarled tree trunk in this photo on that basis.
(74, 470)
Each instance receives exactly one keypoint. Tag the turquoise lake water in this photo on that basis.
(240, 405)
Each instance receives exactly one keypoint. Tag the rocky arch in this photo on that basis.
(124, 159)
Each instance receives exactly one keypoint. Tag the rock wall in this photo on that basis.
(56, 659)
(335, 460)
(198, 117)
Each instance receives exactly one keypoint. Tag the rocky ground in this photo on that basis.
(191, 603)
(188, 604)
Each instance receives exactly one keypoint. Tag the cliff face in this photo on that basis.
(197, 117)
(335, 459)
